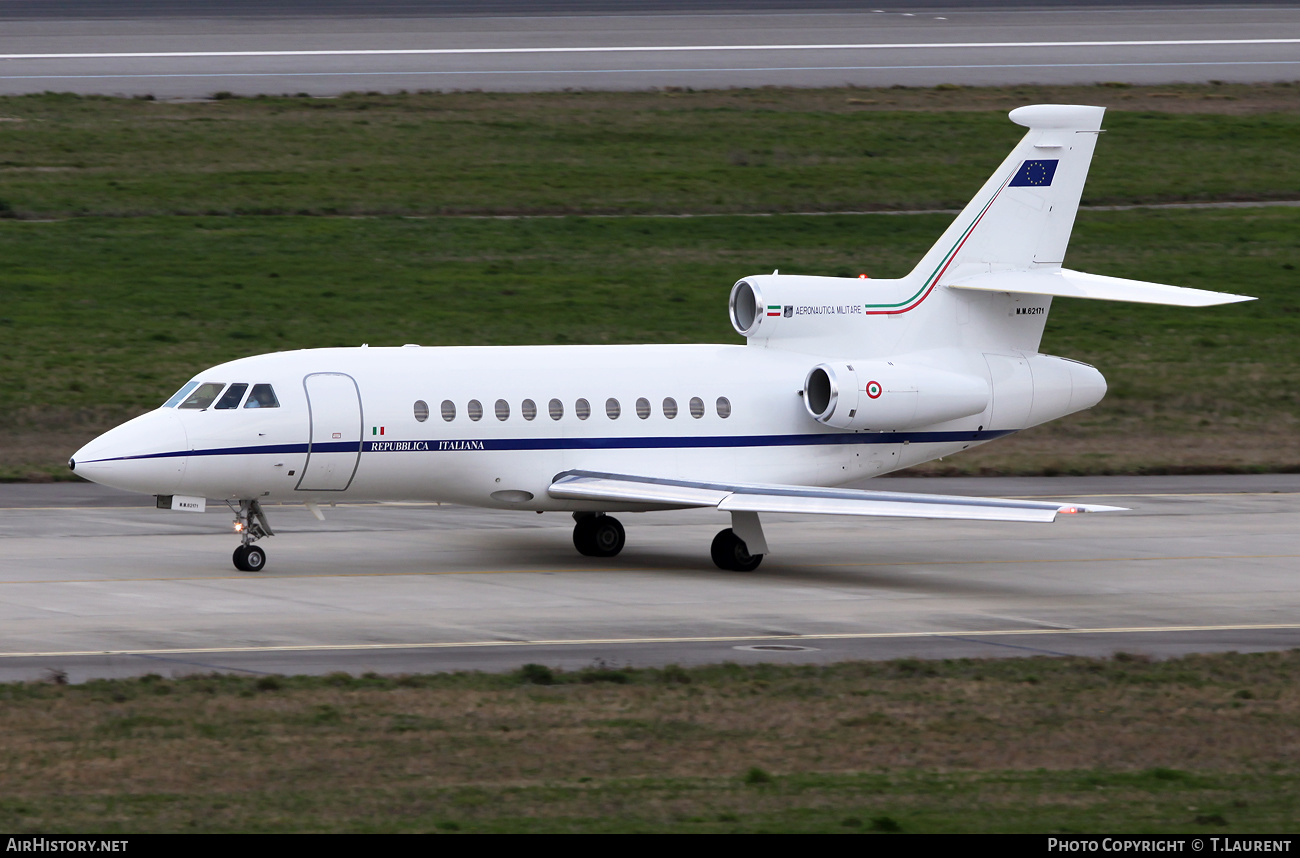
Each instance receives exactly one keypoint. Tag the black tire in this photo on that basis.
(582, 536)
(254, 559)
(730, 552)
(599, 536)
(238, 558)
(607, 537)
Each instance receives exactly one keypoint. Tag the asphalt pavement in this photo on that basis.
(97, 583)
(175, 50)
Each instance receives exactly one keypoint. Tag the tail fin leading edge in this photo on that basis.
(1022, 218)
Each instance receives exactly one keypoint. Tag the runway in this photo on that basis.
(535, 47)
(95, 583)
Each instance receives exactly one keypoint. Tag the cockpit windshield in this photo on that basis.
(200, 395)
(180, 394)
(202, 398)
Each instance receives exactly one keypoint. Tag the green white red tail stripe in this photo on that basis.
(926, 288)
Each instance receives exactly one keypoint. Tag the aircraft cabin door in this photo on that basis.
(334, 448)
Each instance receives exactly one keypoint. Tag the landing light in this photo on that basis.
(239, 526)
(1070, 510)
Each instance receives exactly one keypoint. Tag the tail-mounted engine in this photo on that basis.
(765, 306)
(885, 395)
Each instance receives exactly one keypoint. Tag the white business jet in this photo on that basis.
(840, 379)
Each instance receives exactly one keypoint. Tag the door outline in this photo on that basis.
(311, 428)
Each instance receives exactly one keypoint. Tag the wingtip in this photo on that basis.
(1076, 508)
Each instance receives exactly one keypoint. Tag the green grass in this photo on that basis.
(1074, 802)
(583, 153)
(106, 317)
(104, 314)
(1200, 744)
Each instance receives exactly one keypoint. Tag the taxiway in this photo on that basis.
(96, 583)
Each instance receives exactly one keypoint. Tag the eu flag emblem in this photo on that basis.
(1035, 174)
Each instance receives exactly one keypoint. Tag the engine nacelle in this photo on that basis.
(818, 305)
(882, 395)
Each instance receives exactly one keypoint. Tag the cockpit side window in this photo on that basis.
(232, 397)
(180, 394)
(263, 396)
(203, 397)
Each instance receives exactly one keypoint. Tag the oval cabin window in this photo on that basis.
(421, 410)
(448, 410)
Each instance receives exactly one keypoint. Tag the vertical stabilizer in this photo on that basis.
(1021, 219)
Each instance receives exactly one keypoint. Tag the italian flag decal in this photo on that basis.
(376, 430)
(774, 309)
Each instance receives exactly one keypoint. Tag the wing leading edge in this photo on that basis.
(753, 497)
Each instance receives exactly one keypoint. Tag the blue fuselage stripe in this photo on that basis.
(431, 445)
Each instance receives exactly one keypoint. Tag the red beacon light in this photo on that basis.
(863, 277)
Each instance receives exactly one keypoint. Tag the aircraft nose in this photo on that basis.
(147, 454)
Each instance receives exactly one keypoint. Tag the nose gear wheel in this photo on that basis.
(251, 525)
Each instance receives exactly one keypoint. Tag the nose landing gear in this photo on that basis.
(249, 558)
(251, 525)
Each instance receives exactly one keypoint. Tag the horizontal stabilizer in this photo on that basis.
(1064, 283)
(745, 497)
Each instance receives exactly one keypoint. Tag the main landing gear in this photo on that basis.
(251, 525)
(600, 535)
(597, 534)
(731, 553)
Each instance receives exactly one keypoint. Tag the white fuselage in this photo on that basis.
(347, 428)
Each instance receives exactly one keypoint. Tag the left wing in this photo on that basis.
(755, 497)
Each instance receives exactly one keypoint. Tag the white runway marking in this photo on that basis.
(656, 640)
(535, 72)
(625, 49)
